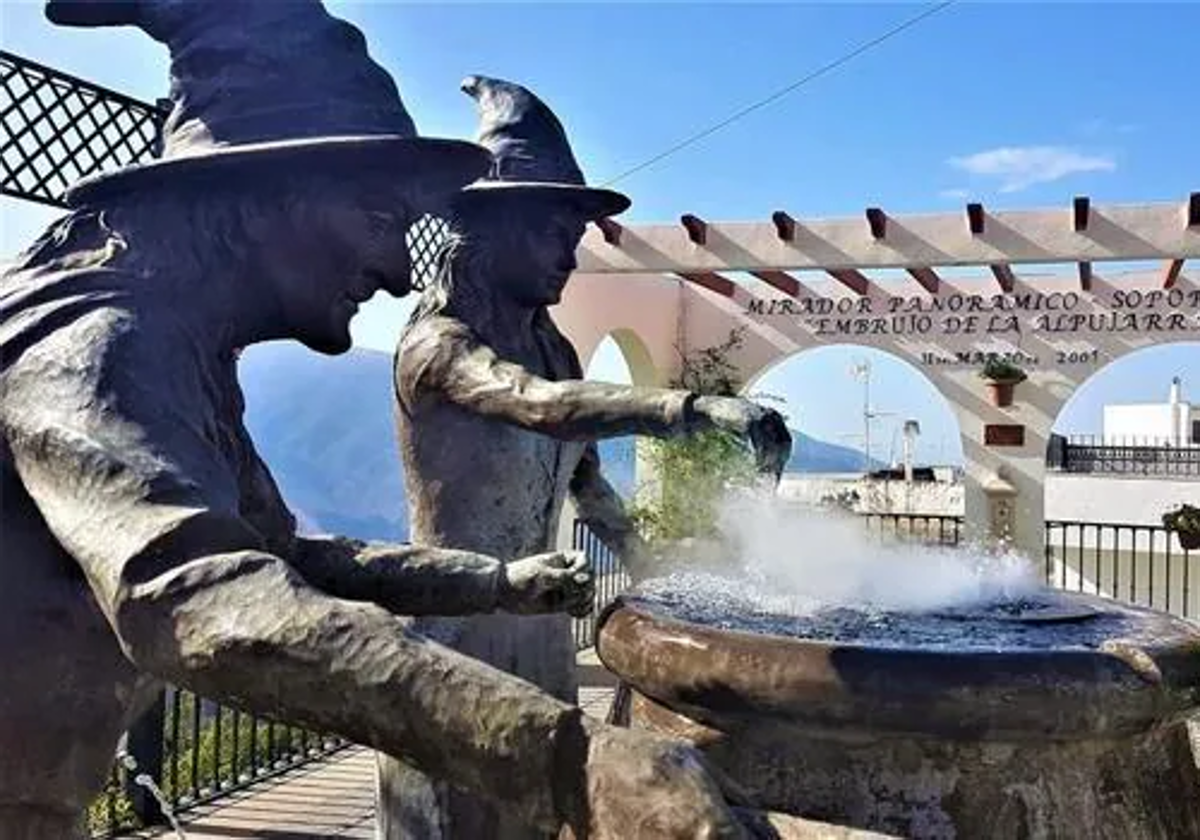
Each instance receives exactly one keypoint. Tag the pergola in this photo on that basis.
(698, 251)
(942, 291)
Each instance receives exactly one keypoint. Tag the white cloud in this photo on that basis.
(956, 193)
(1019, 167)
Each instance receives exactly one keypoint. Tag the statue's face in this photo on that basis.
(535, 251)
(334, 258)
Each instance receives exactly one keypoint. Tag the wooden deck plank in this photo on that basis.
(333, 799)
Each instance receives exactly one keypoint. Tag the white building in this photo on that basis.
(1173, 423)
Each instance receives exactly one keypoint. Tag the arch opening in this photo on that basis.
(870, 431)
(620, 358)
(1124, 451)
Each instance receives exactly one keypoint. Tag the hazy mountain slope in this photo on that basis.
(325, 427)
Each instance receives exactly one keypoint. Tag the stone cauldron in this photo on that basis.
(1056, 716)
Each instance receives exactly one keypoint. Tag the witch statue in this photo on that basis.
(497, 426)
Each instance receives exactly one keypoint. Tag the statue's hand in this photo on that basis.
(642, 786)
(560, 581)
(763, 427)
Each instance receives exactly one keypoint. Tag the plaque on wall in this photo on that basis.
(998, 434)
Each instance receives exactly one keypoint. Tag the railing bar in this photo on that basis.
(176, 713)
(196, 704)
(1083, 540)
(216, 779)
(1116, 559)
(237, 724)
(1047, 553)
(254, 764)
(1168, 555)
(1150, 581)
(1133, 573)
(1187, 567)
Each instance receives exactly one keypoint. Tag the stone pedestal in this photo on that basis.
(1066, 726)
(1142, 786)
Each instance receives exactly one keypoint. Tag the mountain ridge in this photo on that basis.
(325, 427)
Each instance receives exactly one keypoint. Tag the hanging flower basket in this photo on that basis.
(1185, 522)
(1001, 379)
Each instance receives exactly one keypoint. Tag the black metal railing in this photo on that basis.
(195, 750)
(930, 529)
(611, 581)
(1141, 564)
(1147, 457)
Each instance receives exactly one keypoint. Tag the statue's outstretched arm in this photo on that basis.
(404, 579)
(422, 580)
(440, 358)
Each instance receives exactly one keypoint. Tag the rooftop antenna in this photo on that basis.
(861, 370)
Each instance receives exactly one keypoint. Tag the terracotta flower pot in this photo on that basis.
(1001, 391)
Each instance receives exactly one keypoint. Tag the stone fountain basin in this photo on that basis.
(1081, 667)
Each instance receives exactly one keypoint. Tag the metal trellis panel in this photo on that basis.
(56, 128)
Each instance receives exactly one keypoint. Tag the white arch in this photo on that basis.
(639, 313)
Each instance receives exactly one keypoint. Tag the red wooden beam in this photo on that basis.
(1004, 276)
(1171, 273)
(975, 218)
(1085, 276)
(697, 228)
(850, 277)
(611, 231)
(1082, 208)
(927, 277)
(785, 225)
(780, 280)
(877, 220)
(710, 280)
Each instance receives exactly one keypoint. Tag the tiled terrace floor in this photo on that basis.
(333, 798)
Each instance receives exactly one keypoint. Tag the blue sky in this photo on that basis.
(1013, 104)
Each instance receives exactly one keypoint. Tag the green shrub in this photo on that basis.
(694, 473)
(1186, 519)
(999, 369)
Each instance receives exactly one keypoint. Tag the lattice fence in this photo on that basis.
(424, 237)
(58, 128)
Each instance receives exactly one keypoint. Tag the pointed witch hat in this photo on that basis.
(530, 152)
(271, 83)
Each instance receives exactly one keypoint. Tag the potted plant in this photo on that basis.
(1185, 522)
(1002, 376)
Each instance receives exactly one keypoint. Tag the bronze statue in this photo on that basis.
(142, 537)
(496, 426)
